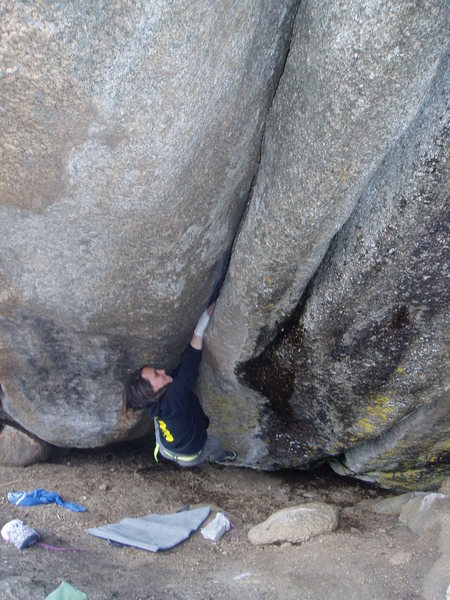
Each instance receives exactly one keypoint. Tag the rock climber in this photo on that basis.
(180, 422)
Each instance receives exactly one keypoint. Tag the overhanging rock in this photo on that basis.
(130, 138)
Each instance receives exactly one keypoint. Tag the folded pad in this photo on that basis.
(153, 532)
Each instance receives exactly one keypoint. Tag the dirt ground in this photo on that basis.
(368, 556)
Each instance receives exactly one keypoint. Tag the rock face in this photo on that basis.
(422, 512)
(130, 138)
(431, 512)
(365, 366)
(352, 359)
(18, 449)
(309, 140)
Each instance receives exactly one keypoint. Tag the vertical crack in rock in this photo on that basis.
(221, 268)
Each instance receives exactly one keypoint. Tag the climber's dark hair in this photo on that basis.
(138, 392)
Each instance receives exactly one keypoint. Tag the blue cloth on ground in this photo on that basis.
(153, 532)
(40, 496)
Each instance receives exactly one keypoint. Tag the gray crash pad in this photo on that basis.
(153, 532)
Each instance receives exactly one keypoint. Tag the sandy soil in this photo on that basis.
(369, 556)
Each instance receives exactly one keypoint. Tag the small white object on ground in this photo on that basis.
(216, 528)
(18, 533)
(241, 576)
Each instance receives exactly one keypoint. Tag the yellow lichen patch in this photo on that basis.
(378, 413)
(269, 306)
(434, 451)
(390, 454)
(357, 438)
(367, 425)
(410, 475)
(410, 478)
(405, 479)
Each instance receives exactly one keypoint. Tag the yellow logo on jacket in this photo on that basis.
(166, 433)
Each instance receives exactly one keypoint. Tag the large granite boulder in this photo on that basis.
(353, 359)
(130, 136)
(308, 140)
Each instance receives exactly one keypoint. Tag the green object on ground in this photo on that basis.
(66, 592)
